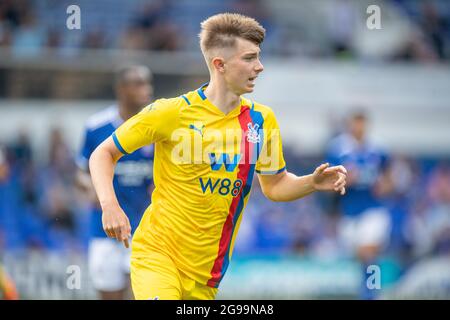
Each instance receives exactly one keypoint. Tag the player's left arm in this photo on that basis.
(286, 186)
(278, 184)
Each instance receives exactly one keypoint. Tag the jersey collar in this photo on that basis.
(235, 112)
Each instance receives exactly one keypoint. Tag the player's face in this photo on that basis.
(243, 66)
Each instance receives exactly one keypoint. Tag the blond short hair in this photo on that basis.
(221, 31)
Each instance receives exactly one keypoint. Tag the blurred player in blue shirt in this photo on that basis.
(366, 224)
(109, 260)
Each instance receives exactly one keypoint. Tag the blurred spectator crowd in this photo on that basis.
(39, 205)
(28, 27)
(40, 208)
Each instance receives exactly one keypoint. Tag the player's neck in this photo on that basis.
(219, 95)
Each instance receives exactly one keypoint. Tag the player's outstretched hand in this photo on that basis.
(116, 224)
(326, 178)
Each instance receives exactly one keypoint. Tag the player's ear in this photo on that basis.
(218, 64)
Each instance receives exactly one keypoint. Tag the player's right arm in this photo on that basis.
(101, 164)
(154, 123)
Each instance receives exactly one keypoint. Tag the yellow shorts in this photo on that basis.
(155, 276)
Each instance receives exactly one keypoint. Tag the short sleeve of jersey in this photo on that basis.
(86, 150)
(154, 123)
(271, 159)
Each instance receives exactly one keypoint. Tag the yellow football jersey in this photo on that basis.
(203, 170)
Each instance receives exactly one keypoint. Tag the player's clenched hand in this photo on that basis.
(326, 178)
(116, 224)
